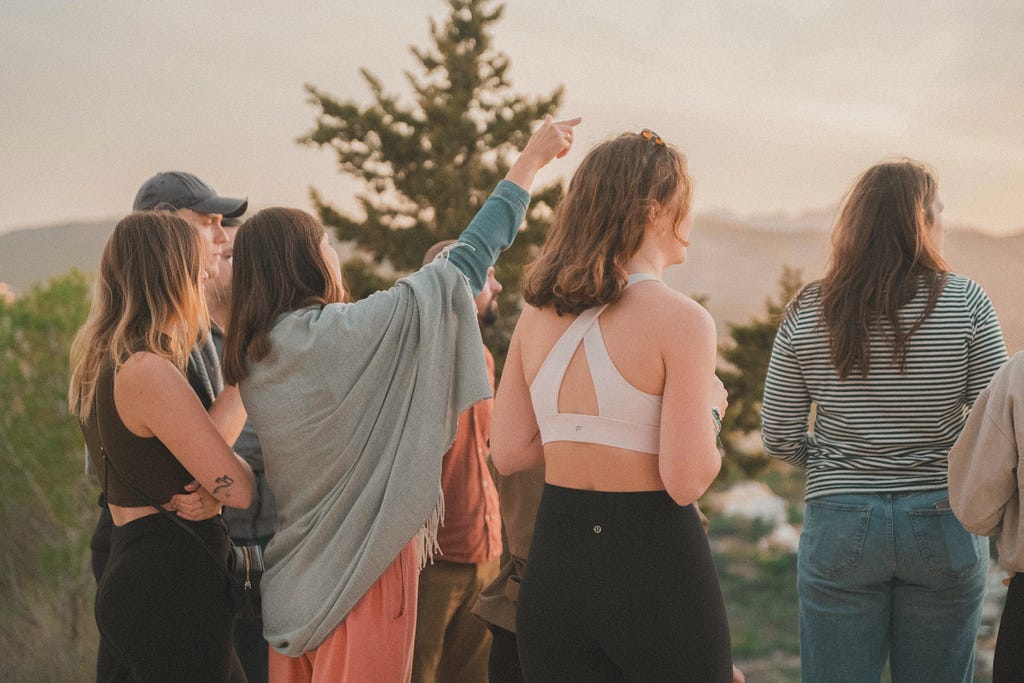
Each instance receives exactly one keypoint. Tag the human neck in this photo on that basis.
(645, 263)
(218, 312)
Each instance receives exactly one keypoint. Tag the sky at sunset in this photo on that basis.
(778, 104)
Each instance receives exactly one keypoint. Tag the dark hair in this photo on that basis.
(601, 221)
(278, 267)
(881, 255)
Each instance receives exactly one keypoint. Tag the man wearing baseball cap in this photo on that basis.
(197, 202)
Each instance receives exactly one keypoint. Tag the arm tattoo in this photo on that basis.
(223, 482)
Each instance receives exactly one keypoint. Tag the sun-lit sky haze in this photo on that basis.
(778, 104)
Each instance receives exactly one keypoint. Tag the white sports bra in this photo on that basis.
(627, 417)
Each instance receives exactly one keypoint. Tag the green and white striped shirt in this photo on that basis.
(889, 431)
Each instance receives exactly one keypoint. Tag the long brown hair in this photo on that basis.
(277, 267)
(600, 223)
(881, 255)
(147, 298)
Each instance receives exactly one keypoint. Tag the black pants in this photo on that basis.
(163, 607)
(503, 661)
(99, 545)
(1009, 661)
(621, 586)
(248, 638)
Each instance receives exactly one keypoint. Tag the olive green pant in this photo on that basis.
(451, 643)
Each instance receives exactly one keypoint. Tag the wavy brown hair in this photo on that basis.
(600, 223)
(147, 297)
(882, 255)
(277, 268)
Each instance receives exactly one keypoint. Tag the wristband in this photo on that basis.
(718, 426)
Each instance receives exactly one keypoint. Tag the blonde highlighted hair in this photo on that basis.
(600, 223)
(147, 298)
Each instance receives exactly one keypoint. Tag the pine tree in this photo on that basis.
(747, 359)
(427, 168)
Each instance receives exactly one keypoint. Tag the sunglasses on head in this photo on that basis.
(653, 139)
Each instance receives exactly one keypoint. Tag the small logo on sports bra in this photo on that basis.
(579, 428)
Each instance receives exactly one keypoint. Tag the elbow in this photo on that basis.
(686, 495)
(241, 498)
(979, 508)
(499, 453)
(516, 455)
(989, 525)
(687, 487)
(240, 502)
(503, 461)
(503, 469)
(520, 461)
(794, 453)
(981, 528)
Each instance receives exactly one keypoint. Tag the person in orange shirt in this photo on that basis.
(451, 643)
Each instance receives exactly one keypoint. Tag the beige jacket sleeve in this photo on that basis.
(984, 485)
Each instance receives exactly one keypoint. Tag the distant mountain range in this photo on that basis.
(35, 255)
(734, 263)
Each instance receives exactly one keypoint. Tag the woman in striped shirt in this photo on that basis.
(891, 349)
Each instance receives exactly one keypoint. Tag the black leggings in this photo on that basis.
(1009, 661)
(620, 586)
(163, 607)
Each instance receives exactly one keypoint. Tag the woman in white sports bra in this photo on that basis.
(610, 384)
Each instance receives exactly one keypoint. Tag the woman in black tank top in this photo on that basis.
(163, 606)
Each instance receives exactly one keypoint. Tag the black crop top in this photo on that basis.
(145, 462)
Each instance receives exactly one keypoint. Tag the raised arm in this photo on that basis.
(154, 399)
(552, 140)
(495, 226)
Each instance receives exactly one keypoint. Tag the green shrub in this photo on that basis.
(47, 506)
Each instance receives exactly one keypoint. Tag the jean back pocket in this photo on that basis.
(945, 546)
(832, 540)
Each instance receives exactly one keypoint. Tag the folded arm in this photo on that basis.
(154, 399)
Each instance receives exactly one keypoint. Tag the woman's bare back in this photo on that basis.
(632, 330)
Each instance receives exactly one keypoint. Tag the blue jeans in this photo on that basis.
(889, 575)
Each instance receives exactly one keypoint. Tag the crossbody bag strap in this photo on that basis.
(107, 464)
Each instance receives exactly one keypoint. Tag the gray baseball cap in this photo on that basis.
(185, 191)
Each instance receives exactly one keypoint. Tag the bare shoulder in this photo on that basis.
(147, 387)
(532, 320)
(146, 362)
(675, 314)
(145, 370)
(529, 315)
(537, 331)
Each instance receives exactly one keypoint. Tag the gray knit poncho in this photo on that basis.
(354, 406)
